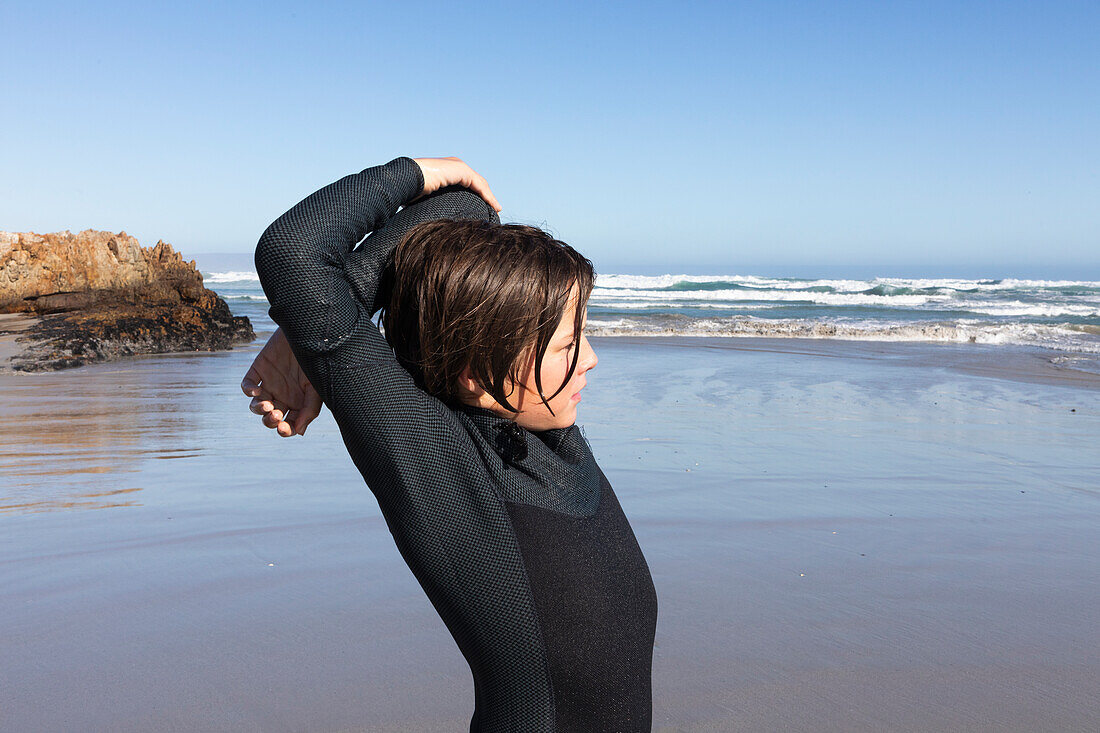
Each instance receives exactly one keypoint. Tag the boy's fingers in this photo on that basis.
(261, 405)
(252, 379)
(250, 384)
(276, 419)
(487, 193)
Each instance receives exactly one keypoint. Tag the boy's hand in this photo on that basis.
(280, 390)
(440, 172)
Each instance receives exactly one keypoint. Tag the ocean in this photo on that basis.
(1060, 318)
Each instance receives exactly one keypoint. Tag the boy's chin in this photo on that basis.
(567, 421)
(563, 420)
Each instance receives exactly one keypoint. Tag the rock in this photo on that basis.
(102, 296)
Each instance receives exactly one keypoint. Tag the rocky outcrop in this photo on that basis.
(102, 296)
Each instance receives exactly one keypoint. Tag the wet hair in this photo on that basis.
(484, 296)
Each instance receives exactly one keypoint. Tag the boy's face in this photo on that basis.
(533, 413)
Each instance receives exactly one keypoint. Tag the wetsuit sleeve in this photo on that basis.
(430, 481)
(301, 258)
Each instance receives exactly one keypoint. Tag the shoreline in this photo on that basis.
(11, 326)
(69, 340)
(1012, 362)
(1031, 365)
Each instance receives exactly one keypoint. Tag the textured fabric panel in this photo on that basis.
(439, 502)
(450, 526)
(558, 473)
(599, 636)
(300, 258)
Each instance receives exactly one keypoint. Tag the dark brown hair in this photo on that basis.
(481, 295)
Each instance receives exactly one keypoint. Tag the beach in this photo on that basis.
(844, 536)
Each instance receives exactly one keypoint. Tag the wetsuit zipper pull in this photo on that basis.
(512, 443)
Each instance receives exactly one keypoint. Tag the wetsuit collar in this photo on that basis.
(552, 468)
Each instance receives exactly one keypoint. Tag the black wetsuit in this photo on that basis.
(522, 549)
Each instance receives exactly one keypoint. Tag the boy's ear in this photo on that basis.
(469, 385)
(466, 381)
(475, 394)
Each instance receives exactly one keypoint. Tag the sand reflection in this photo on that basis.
(78, 440)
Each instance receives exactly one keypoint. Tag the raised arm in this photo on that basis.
(300, 259)
(320, 291)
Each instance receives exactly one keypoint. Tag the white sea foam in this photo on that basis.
(651, 282)
(1010, 283)
(1019, 308)
(643, 304)
(982, 284)
(1060, 337)
(236, 276)
(600, 323)
(681, 297)
(736, 299)
(648, 282)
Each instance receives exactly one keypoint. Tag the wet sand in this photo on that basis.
(11, 325)
(843, 536)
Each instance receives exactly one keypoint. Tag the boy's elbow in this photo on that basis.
(276, 257)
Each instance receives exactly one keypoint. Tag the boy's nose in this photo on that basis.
(590, 358)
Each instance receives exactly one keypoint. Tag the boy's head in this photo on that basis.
(492, 315)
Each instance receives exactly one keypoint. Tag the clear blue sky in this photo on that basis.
(918, 137)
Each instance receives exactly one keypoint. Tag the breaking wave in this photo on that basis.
(1065, 337)
(230, 277)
